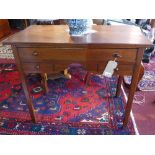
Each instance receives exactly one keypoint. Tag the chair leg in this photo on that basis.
(67, 74)
(44, 80)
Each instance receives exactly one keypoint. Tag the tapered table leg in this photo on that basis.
(24, 84)
(119, 83)
(28, 98)
(86, 79)
(141, 72)
(133, 86)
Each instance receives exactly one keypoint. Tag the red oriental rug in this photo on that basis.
(69, 108)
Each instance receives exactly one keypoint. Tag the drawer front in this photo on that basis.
(52, 54)
(37, 67)
(122, 69)
(42, 60)
(44, 67)
(126, 55)
(75, 54)
(54, 68)
(50, 67)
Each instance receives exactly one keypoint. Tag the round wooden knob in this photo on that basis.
(35, 53)
(116, 55)
(37, 67)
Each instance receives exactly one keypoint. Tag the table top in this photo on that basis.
(125, 35)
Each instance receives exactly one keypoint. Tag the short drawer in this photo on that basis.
(122, 69)
(37, 67)
(44, 67)
(126, 55)
(52, 54)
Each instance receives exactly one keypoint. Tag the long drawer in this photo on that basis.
(75, 54)
(52, 54)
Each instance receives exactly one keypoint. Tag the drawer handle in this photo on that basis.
(35, 53)
(37, 67)
(116, 56)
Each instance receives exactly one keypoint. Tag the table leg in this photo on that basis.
(141, 72)
(28, 97)
(86, 79)
(24, 84)
(119, 83)
(133, 86)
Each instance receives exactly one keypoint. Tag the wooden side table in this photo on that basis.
(49, 49)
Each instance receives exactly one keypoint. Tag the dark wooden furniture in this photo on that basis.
(48, 49)
(4, 28)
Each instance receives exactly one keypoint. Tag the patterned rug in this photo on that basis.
(70, 108)
(6, 55)
(147, 83)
